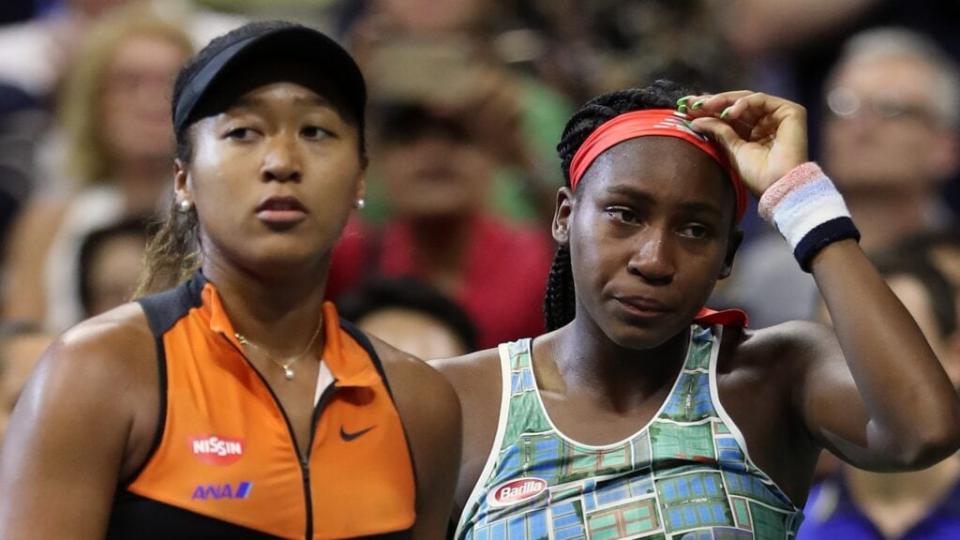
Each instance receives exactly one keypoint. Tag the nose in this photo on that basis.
(653, 258)
(281, 161)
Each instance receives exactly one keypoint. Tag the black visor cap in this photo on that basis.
(273, 40)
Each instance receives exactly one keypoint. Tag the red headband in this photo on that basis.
(663, 122)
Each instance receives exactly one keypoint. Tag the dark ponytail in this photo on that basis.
(173, 253)
(560, 301)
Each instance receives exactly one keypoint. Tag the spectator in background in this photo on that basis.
(618, 44)
(21, 123)
(412, 316)
(941, 249)
(116, 116)
(892, 135)
(791, 45)
(38, 52)
(402, 34)
(20, 348)
(9, 206)
(853, 504)
(111, 260)
(436, 156)
(433, 16)
(17, 10)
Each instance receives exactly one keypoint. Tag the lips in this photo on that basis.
(642, 306)
(282, 204)
(281, 210)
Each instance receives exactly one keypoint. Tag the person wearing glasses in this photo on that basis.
(889, 140)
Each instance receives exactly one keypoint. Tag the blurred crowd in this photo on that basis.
(467, 102)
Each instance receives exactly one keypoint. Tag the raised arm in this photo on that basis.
(876, 395)
(430, 411)
(68, 437)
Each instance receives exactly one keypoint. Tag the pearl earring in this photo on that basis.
(184, 206)
(361, 203)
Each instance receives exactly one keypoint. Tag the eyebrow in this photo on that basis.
(642, 196)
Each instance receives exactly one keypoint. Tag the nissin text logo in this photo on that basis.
(214, 450)
(206, 492)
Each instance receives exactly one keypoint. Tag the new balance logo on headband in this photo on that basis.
(647, 122)
(679, 121)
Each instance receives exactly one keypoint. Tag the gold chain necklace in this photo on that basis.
(288, 365)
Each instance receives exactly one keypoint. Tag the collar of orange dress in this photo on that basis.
(642, 123)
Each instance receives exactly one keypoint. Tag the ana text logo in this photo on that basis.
(205, 492)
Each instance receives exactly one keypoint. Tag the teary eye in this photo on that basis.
(623, 214)
(695, 230)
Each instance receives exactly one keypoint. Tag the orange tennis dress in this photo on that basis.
(224, 462)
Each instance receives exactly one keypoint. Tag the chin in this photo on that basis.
(281, 260)
(641, 338)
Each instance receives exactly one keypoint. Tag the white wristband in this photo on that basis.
(808, 211)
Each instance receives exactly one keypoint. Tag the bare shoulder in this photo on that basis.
(79, 427)
(470, 372)
(795, 341)
(779, 357)
(108, 348)
(108, 362)
(416, 386)
(403, 366)
(103, 368)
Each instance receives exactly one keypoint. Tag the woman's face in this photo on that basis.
(436, 172)
(648, 236)
(412, 331)
(135, 106)
(113, 271)
(273, 177)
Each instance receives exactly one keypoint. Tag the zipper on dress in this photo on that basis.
(304, 461)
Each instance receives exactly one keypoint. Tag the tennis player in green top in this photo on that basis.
(641, 414)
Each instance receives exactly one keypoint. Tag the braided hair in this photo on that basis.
(559, 304)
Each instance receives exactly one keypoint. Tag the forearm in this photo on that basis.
(914, 413)
(878, 395)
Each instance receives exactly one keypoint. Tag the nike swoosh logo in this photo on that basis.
(353, 435)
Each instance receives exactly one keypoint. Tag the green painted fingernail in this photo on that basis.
(697, 104)
(725, 112)
(682, 108)
(682, 102)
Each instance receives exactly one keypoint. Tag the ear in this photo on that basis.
(736, 238)
(361, 190)
(561, 216)
(181, 181)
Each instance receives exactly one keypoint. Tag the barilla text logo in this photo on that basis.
(215, 492)
(514, 491)
(214, 450)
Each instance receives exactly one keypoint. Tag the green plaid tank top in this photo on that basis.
(685, 476)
